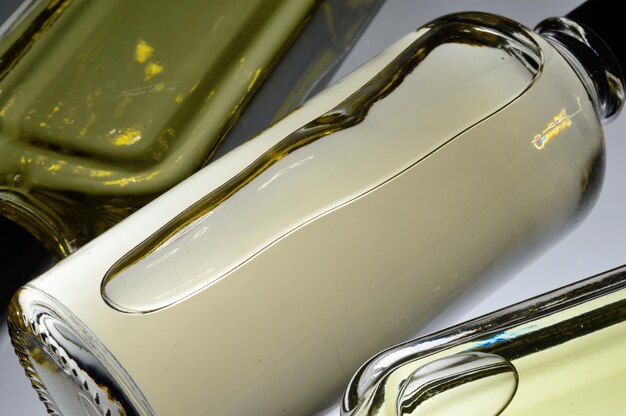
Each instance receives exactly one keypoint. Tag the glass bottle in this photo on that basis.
(102, 107)
(559, 353)
(260, 283)
(105, 105)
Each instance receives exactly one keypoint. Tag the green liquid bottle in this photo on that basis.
(105, 105)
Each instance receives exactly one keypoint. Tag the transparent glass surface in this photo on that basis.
(565, 348)
(340, 159)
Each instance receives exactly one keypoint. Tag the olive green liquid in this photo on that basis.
(106, 104)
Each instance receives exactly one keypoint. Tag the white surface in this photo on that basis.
(596, 245)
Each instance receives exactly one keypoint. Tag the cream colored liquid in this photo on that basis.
(342, 170)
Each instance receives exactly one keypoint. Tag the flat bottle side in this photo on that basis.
(404, 109)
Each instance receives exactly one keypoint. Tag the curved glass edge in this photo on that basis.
(514, 324)
(506, 34)
(49, 229)
(443, 383)
(68, 367)
(305, 69)
(593, 61)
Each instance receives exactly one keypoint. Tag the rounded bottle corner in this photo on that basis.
(68, 367)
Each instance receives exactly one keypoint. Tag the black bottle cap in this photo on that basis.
(606, 22)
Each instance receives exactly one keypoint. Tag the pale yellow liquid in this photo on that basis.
(586, 376)
(567, 363)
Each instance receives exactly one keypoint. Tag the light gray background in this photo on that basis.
(598, 244)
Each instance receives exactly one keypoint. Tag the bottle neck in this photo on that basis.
(592, 60)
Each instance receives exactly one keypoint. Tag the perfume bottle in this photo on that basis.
(260, 283)
(560, 353)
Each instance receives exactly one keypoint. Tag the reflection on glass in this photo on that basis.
(442, 386)
(559, 122)
(566, 347)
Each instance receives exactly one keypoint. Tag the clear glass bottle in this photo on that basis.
(259, 284)
(560, 353)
